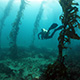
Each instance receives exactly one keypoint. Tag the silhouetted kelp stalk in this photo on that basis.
(15, 30)
(70, 20)
(5, 15)
(37, 21)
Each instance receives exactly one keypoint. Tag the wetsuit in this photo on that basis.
(44, 34)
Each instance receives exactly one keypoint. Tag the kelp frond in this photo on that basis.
(70, 20)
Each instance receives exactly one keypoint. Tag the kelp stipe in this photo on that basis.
(15, 30)
(70, 21)
(37, 21)
(58, 70)
(5, 15)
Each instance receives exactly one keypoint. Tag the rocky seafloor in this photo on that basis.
(29, 65)
(32, 63)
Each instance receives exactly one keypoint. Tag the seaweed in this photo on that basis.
(15, 30)
(58, 70)
(36, 23)
(5, 15)
(6, 70)
(69, 19)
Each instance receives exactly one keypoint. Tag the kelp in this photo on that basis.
(70, 20)
(15, 30)
(37, 21)
(56, 71)
(5, 15)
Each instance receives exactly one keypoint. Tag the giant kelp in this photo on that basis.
(70, 20)
(5, 15)
(37, 21)
(15, 29)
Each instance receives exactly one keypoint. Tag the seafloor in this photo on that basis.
(32, 63)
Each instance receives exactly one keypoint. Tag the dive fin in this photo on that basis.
(54, 25)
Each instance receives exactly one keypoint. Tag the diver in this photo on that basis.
(45, 34)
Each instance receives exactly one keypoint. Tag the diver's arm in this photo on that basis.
(39, 35)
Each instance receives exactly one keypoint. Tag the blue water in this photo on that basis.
(52, 11)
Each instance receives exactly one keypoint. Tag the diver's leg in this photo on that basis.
(59, 28)
(52, 34)
(54, 25)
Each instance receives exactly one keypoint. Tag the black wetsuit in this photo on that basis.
(45, 35)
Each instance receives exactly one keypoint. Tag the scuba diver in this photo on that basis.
(45, 34)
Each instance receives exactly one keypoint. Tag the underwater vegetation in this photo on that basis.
(70, 20)
(36, 23)
(15, 29)
(5, 15)
(41, 63)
